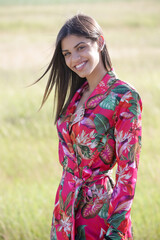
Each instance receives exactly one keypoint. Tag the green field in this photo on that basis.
(29, 168)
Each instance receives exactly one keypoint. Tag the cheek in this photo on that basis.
(67, 62)
(95, 58)
(94, 55)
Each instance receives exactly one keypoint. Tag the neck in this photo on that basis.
(95, 78)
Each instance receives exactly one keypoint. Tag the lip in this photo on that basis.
(80, 66)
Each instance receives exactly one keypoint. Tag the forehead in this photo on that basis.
(72, 40)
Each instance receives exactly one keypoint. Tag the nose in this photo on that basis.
(75, 57)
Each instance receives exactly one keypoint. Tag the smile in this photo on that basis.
(80, 66)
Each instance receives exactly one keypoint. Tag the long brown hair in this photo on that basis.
(65, 80)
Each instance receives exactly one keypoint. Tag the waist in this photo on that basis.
(85, 177)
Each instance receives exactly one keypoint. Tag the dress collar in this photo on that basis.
(101, 90)
(96, 96)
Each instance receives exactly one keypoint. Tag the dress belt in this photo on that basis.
(76, 183)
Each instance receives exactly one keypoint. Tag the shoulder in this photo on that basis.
(122, 89)
(127, 96)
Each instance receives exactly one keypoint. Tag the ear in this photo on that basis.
(100, 42)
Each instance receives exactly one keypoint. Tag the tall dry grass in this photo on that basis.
(29, 168)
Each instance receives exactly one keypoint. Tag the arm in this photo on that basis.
(128, 143)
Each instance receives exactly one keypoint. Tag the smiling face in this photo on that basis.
(82, 55)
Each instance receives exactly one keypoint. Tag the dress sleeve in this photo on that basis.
(128, 144)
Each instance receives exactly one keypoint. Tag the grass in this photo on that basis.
(52, 2)
(29, 168)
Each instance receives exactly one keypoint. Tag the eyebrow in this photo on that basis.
(74, 46)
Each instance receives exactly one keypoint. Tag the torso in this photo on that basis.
(83, 99)
(87, 152)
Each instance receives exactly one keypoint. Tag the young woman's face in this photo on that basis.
(82, 55)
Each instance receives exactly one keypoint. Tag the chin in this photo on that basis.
(81, 75)
(84, 75)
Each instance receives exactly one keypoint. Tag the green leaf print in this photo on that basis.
(101, 140)
(114, 235)
(80, 233)
(103, 213)
(101, 123)
(112, 80)
(111, 132)
(53, 235)
(69, 197)
(122, 89)
(123, 158)
(61, 201)
(61, 136)
(70, 170)
(100, 137)
(116, 219)
(111, 73)
(85, 151)
(134, 108)
(109, 103)
(69, 211)
(135, 96)
(65, 162)
(140, 140)
(79, 159)
(100, 147)
(131, 154)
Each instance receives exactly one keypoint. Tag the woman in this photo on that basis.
(99, 125)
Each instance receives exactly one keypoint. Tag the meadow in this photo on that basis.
(29, 167)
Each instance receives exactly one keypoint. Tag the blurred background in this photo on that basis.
(29, 167)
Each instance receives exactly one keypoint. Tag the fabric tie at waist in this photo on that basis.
(75, 184)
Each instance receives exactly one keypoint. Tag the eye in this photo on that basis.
(80, 48)
(66, 54)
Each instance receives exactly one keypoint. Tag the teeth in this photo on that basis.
(80, 65)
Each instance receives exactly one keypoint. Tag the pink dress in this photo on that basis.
(104, 132)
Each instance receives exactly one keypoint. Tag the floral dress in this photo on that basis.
(105, 131)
